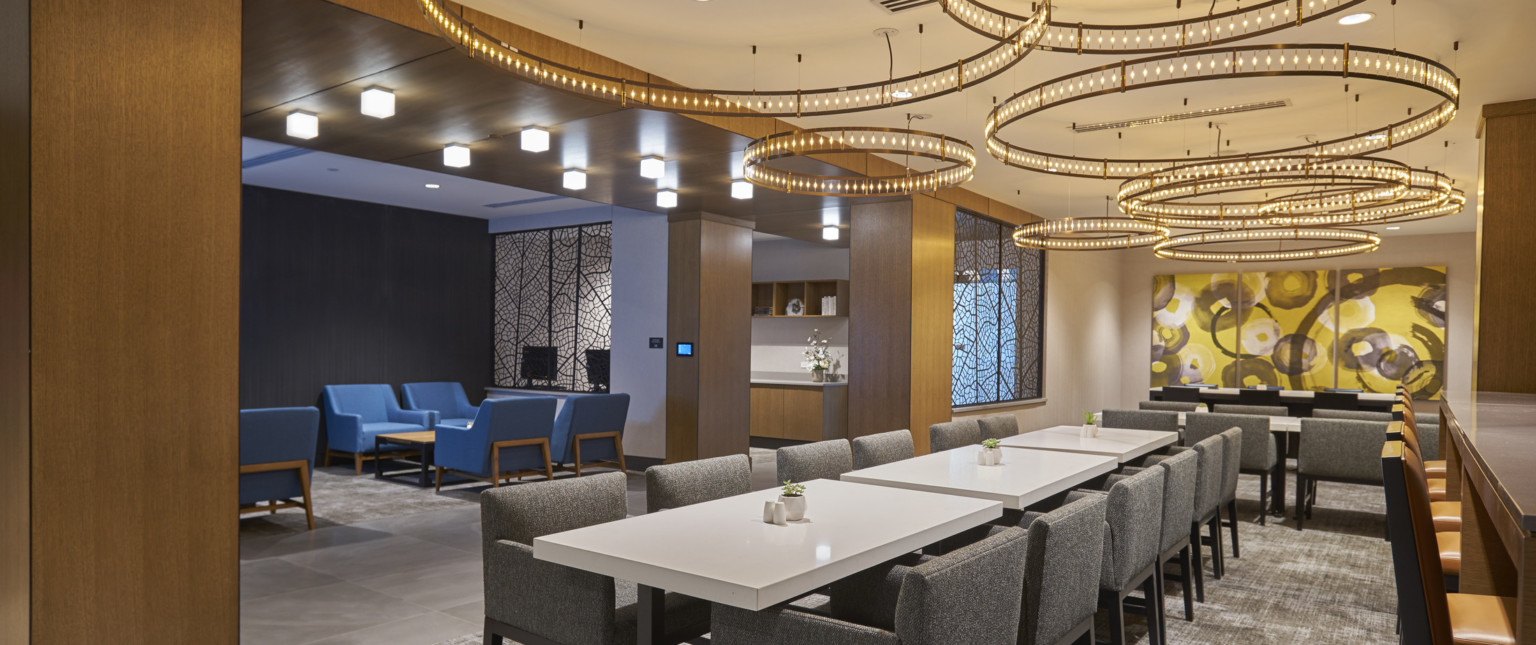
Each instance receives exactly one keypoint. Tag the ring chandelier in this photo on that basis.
(1343, 61)
(1089, 234)
(1203, 31)
(957, 157)
(1329, 242)
(877, 95)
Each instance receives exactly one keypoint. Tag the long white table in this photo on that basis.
(1290, 425)
(1024, 477)
(721, 551)
(1371, 399)
(1121, 444)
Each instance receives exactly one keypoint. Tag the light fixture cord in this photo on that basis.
(890, 73)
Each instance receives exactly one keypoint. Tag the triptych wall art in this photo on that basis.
(1366, 329)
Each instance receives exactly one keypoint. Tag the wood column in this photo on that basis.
(709, 303)
(132, 244)
(1506, 269)
(901, 279)
(15, 316)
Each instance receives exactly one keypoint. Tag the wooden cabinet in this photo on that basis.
(772, 299)
(799, 412)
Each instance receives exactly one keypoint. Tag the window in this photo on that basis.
(999, 314)
(553, 299)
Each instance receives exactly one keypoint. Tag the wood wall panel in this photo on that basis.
(880, 326)
(1506, 296)
(683, 258)
(135, 243)
(15, 315)
(709, 295)
(933, 323)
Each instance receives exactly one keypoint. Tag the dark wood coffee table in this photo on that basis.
(421, 442)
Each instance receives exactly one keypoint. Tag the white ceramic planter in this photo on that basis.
(794, 507)
(1090, 430)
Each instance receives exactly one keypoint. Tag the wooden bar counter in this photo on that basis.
(1489, 438)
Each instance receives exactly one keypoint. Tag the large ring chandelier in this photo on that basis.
(1328, 242)
(1089, 234)
(957, 161)
(1177, 35)
(1344, 61)
(876, 95)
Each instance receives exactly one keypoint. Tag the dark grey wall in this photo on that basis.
(335, 291)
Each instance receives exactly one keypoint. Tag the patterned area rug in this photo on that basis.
(341, 497)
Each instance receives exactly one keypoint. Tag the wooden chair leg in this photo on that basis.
(439, 479)
(575, 442)
(495, 466)
(549, 467)
(327, 459)
(618, 448)
(357, 460)
(309, 504)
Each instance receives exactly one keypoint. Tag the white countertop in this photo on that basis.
(722, 551)
(796, 378)
(1024, 477)
(1122, 444)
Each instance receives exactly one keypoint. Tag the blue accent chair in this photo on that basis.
(355, 413)
(509, 437)
(446, 399)
(277, 453)
(585, 422)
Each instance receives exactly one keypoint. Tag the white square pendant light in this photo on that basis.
(666, 198)
(535, 139)
(829, 232)
(575, 179)
(652, 167)
(378, 103)
(303, 125)
(456, 155)
(831, 217)
(741, 189)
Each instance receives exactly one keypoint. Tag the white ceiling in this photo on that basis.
(277, 165)
(708, 44)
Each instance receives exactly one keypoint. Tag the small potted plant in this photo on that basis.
(991, 453)
(793, 497)
(817, 358)
(1090, 425)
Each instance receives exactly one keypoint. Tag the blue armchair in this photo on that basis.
(508, 437)
(583, 425)
(446, 399)
(277, 453)
(355, 413)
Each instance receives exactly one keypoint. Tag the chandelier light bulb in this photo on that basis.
(303, 125)
(456, 155)
(378, 103)
(652, 167)
(575, 179)
(535, 139)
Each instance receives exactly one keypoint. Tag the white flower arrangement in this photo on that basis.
(816, 356)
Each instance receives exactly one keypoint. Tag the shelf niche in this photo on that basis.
(773, 298)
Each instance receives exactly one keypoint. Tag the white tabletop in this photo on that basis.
(1024, 477)
(1297, 395)
(1276, 424)
(723, 552)
(1122, 444)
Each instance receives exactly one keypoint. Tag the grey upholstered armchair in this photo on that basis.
(1169, 406)
(953, 434)
(1140, 420)
(967, 597)
(530, 600)
(820, 460)
(1338, 450)
(998, 426)
(692, 482)
(1132, 534)
(886, 447)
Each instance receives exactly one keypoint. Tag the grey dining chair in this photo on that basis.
(1209, 464)
(998, 426)
(1169, 406)
(532, 601)
(1179, 480)
(1259, 410)
(1231, 465)
(886, 447)
(953, 434)
(1141, 420)
(967, 597)
(1061, 572)
(1261, 452)
(692, 482)
(1336, 450)
(820, 460)
(1132, 534)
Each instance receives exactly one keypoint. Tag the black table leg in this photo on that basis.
(378, 468)
(426, 458)
(1277, 476)
(652, 616)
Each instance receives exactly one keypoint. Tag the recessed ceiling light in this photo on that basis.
(1356, 18)
(378, 103)
(652, 167)
(666, 198)
(535, 139)
(456, 155)
(1393, 228)
(901, 94)
(575, 179)
(433, 186)
(303, 125)
(829, 232)
(741, 189)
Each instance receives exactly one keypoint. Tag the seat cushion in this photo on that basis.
(1450, 552)
(1435, 468)
(385, 427)
(1447, 516)
(459, 423)
(1437, 490)
(1481, 620)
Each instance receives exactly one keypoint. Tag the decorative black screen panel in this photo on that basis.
(999, 314)
(554, 308)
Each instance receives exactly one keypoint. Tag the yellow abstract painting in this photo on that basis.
(1194, 328)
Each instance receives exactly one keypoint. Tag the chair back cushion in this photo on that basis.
(1354, 415)
(692, 482)
(371, 402)
(445, 398)
(1259, 449)
(589, 414)
(998, 426)
(1231, 462)
(1061, 570)
(953, 434)
(1259, 410)
(1341, 449)
(969, 596)
(1169, 406)
(1212, 460)
(1181, 393)
(511, 419)
(1135, 518)
(883, 448)
(523, 512)
(820, 460)
(270, 435)
(1180, 473)
(1141, 420)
